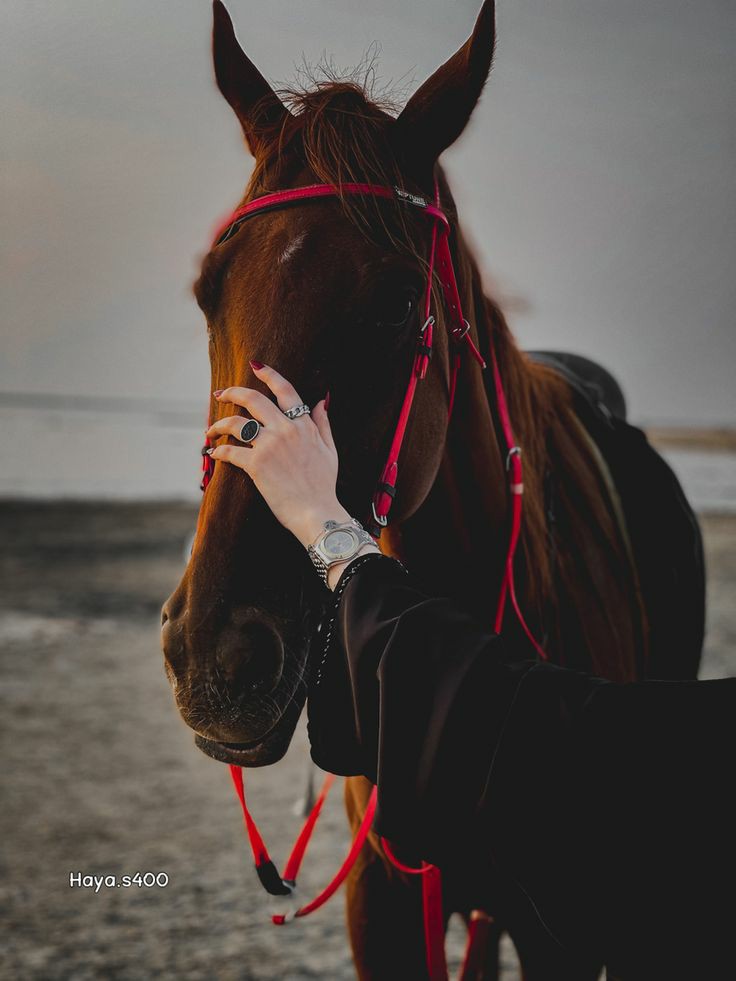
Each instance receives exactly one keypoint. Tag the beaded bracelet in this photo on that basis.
(345, 577)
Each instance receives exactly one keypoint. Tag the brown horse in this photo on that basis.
(327, 293)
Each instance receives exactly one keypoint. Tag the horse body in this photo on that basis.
(289, 290)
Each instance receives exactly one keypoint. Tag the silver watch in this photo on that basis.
(338, 541)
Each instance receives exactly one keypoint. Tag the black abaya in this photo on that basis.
(609, 808)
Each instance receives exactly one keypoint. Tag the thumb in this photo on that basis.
(321, 421)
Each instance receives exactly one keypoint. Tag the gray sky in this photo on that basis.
(596, 179)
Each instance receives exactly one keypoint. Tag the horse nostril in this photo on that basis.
(164, 617)
(251, 657)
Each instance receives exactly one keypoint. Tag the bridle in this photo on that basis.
(459, 328)
(440, 258)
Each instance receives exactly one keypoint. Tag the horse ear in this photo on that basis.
(255, 103)
(439, 110)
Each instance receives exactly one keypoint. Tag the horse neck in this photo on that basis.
(458, 537)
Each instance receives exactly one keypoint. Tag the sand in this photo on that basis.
(102, 778)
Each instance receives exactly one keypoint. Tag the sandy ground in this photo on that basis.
(101, 777)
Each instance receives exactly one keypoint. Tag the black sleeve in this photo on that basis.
(413, 693)
(609, 806)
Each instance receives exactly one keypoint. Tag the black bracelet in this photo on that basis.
(347, 574)
(348, 565)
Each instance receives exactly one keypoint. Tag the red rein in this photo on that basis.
(293, 863)
(440, 258)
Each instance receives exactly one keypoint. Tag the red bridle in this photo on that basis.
(440, 258)
(459, 328)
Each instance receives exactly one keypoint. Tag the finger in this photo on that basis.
(258, 405)
(239, 456)
(322, 422)
(286, 395)
(229, 426)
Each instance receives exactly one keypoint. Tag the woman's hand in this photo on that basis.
(293, 462)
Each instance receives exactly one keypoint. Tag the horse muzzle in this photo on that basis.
(262, 752)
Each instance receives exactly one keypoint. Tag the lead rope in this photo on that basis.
(285, 885)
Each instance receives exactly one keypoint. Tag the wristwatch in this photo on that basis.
(337, 542)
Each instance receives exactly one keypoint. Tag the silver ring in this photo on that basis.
(297, 410)
(250, 429)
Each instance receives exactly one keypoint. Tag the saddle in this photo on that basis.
(662, 528)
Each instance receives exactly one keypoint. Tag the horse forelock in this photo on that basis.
(341, 132)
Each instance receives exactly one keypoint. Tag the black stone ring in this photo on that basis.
(250, 430)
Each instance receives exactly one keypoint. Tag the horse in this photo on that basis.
(328, 293)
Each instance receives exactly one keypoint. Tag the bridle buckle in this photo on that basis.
(380, 519)
(514, 451)
(458, 335)
(423, 350)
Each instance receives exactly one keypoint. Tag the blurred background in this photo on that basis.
(596, 180)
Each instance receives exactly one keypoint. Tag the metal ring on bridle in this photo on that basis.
(250, 430)
(514, 451)
(380, 519)
(297, 410)
(458, 335)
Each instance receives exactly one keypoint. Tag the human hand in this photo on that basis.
(292, 462)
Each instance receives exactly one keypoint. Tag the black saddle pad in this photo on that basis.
(663, 529)
(590, 378)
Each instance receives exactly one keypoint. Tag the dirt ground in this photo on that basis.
(101, 777)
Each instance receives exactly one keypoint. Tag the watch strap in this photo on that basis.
(318, 562)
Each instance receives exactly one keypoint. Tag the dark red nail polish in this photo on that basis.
(218, 393)
(256, 365)
(327, 401)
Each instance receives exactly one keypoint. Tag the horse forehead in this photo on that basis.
(293, 246)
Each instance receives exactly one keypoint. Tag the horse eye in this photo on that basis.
(394, 311)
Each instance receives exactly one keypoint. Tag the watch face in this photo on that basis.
(338, 544)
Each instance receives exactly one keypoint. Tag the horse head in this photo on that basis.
(329, 293)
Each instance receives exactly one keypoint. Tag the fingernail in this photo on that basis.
(327, 401)
(256, 365)
(218, 393)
